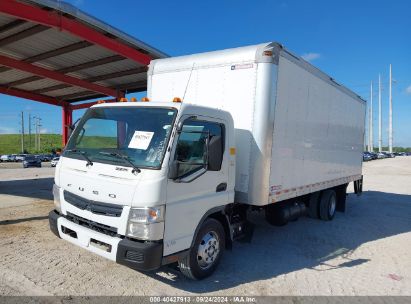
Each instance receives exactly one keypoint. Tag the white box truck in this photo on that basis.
(172, 178)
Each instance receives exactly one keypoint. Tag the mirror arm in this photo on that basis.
(73, 125)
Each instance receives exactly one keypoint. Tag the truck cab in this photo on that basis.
(141, 183)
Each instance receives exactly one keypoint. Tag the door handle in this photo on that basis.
(221, 187)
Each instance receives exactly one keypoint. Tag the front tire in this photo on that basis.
(328, 205)
(206, 252)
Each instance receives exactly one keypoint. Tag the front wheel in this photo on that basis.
(206, 252)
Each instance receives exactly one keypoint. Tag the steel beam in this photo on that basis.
(11, 25)
(52, 88)
(59, 51)
(88, 104)
(56, 20)
(29, 95)
(91, 64)
(66, 70)
(117, 74)
(67, 120)
(33, 69)
(23, 34)
(56, 52)
(75, 95)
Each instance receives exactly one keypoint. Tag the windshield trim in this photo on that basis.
(66, 152)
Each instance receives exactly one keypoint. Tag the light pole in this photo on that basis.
(370, 131)
(379, 115)
(390, 115)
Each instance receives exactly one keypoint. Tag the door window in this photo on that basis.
(191, 150)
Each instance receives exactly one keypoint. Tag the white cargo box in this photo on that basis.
(297, 130)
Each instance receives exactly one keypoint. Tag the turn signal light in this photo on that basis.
(177, 99)
(123, 99)
(145, 99)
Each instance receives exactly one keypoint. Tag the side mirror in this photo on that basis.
(173, 171)
(215, 153)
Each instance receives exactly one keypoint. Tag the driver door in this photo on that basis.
(197, 188)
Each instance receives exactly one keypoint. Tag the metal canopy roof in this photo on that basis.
(52, 52)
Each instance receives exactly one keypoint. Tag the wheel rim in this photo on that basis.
(333, 205)
(208, 250)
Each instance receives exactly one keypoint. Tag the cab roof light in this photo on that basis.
(177, 99)
(145, 99)
(123, 99)
(101, 101)
(133, 99)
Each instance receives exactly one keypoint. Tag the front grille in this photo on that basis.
(93, 206)
(111, 231)
(135, 256)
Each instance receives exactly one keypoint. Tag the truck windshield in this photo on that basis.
(139, 134)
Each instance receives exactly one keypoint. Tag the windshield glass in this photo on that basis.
(139, 133)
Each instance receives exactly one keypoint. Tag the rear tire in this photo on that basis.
(328, 205)
(313, 205)
(206, 252)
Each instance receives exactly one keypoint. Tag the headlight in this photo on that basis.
(56, 195)
(146, 223)
(147, 215)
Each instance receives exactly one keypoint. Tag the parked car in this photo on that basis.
(366, 156)
(373, 155)
(388, 154)
(381, 155)
(45, 157)
(20, 157)
(4, 158)
(48, 157)
(54, 161)
(31, 161)
(12, 158)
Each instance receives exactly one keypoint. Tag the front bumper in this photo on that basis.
(137, 255)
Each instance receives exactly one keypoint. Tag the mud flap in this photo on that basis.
(358, 186)
(242, 232)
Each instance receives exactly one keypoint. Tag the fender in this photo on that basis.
(226, 225)
(216, 210)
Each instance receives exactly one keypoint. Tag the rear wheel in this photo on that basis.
(313, 205)
(328, 205)
(205, 254)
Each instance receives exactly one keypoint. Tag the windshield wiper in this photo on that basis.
(82, 153)
(123, 157)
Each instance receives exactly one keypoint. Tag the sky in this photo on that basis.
(352, 41)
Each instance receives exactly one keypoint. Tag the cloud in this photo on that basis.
(311, 56)
(408, 90)
(44, 131)
(6, 130)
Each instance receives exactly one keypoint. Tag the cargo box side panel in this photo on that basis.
(318, 134)
(230, 87)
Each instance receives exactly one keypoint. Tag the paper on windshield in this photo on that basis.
(140, 140)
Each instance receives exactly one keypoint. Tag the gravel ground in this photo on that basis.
(365, 251)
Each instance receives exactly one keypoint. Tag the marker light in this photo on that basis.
(177, 99)
(133, 99)
(123, 99)
(145, 99)
(268, 53)
(100, 101)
